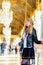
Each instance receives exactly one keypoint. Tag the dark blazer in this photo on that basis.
(31, 38)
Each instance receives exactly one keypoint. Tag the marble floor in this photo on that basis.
(14, 59)
(10, 60)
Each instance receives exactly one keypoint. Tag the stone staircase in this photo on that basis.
(14, 59)
(10, 59)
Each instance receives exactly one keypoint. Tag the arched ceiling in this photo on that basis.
(21, 9)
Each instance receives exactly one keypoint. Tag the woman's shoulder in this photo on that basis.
(34, 30)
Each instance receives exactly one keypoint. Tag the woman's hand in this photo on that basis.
(41, 42)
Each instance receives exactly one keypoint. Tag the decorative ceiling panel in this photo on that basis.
(19, 11)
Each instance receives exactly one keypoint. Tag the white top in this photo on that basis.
(25, 40)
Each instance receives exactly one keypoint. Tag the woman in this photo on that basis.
(29, 37)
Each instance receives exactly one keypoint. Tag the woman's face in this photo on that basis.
(28, 24)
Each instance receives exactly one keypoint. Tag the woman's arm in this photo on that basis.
(35, 37)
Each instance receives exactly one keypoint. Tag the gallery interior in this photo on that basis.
(13, 15)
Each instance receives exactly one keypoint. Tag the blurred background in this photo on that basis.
(23, 9)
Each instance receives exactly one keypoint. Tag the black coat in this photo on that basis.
(31, 38)
(28, 52)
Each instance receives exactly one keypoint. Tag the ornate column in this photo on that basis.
(6, 16)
